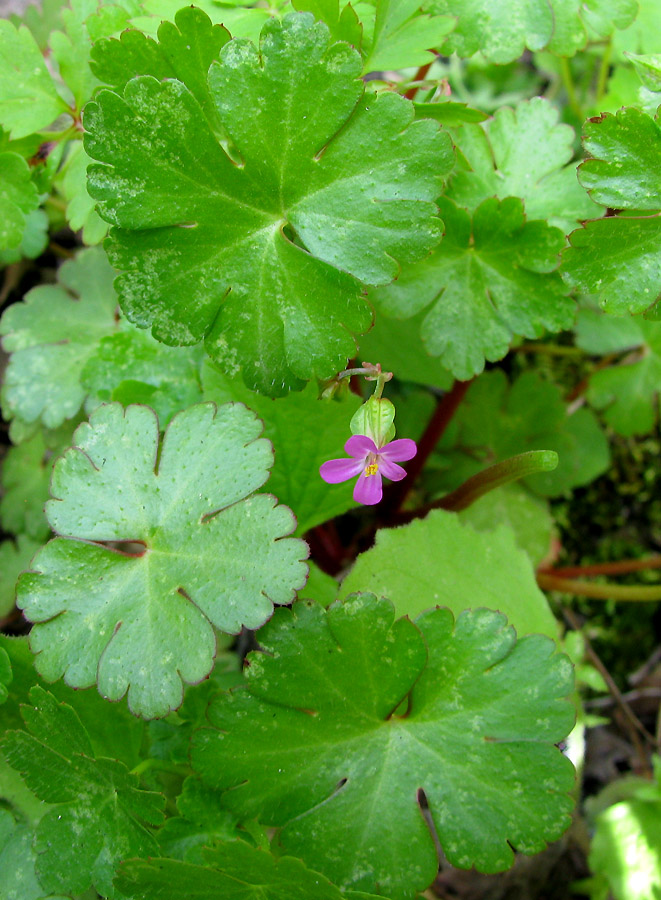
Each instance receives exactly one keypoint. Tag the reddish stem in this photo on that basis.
(326, 548)
(439, 421)
(420, 75)
(621, 567)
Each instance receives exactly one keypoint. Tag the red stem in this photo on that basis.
(419, 76)
(621, 567)
(439, 421)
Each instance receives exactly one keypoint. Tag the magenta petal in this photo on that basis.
(336, 470)
(399, 451)
(368, 489)
(391, 470)
(360, 445)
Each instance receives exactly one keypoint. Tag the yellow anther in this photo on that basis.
(372, 469)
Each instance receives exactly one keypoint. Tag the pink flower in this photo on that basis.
(369, 462)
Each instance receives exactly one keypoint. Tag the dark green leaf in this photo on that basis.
(96, 821)
(192, 219)
(340, 771)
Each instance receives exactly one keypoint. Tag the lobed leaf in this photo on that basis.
(324, 700)
(14, 559)
(523, 152)
(18, 880)
(214, 556)
(334, 186)
(98, 813)
(476, 568)
(492, 277)
(51, 335)
(18, 198)
(28, 98)
(233, 869)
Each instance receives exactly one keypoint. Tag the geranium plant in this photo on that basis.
(245, 651)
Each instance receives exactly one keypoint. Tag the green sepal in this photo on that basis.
(375, 418)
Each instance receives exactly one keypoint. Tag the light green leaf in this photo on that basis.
(239, 21)
(449, 113)
(648, 67)
(18, 197)
(14, 559)
(523, 152)
(519, 510)
(81, 209)
(578, 21)
(18, 880)
(202, 821)
(305, 432)
(28, 98)
(25, 476)
(489, 279)
(33, 241)
(131, 366)
(233, 869)
(357, 209)
(403, 36)
(496, 421)
(344, 788)
(213, 555)
(98, 811)
(628, 393)
(597, 333)
(52, 334)
(476, 568)
(500, 29)
(625, 848)
(320, 587)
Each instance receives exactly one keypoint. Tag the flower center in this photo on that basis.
(372, 469)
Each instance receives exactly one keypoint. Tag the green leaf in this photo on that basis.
(397, 345)
(628, 393)
(96, 820)
(500, 29)
(449, 113)
(33, 241)
(496, 421)
(344, 787)
(14, 559)
(28, 99)
(305, 432)
(519, 510)
(184, 51)
(81, 209)
(625, 848)
(578, 21)
(597, 333)
(476, 568)
(489, 279)
(403, 36)
(131, 366)
(523, 152)
(113, 731)
(201, 822)
(625, 151)
(357, 209)
(213, 555)
(18, 880)
(25, 476)
(232, 870)
(5, 675)
(241, 22)
(618, 258)
(18, 197)
(51, 335)
(648, 67)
